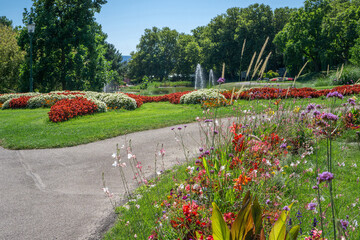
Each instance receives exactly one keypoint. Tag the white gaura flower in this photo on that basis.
(115, 164)
(113, 155)
(130, 155)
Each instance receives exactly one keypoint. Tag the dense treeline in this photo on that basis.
(69, 48)
(323, 32)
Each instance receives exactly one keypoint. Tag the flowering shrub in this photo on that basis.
(65, 109)
(120, 101)
(20, 102)
(201, 95)
(9, 96)
(48, 100)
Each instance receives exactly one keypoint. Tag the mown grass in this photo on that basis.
(31, 129)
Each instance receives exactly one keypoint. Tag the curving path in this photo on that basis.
(57, 193)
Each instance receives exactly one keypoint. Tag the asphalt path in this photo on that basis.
(57, 193)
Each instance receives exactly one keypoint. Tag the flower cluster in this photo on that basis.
(274, 93)
(201, 95)
(69, 108)
(20, 102)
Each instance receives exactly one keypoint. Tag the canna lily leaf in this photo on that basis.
(293, 233)
(278, 232)
(243, 222)
(219, 227)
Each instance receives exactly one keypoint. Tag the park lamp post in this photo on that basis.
(31, 30)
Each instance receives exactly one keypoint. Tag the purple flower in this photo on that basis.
(335, 94)
(179, 128)
(283, 145)
(268, 201)
(286, 208)
(318, 106)
(310, 107)
(207, 152)
(344, 224)
(316, 113)
(201, 149)
(351, 101)
(216, 132)
(208, 120)
(172, 128)
(197, 161)
(221, 80)
(212, 148)
(231, 155)
(315, 222)
(311, 206)
(212, 171)
(315, 187)
(325, 176)
(330, 116)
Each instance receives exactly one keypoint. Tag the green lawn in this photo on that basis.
(29, 129)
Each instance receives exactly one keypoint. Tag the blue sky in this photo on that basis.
(125, 21)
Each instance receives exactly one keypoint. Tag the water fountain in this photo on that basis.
(199, 78)
(211, 78)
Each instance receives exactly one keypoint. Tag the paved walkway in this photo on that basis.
(57, 193)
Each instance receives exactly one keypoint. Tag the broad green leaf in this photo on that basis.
(278, 232)
(257, 216)
(293, 233)
(219, 227)
(206, 167)
(243, 222)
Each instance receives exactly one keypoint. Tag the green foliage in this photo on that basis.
(156, 54)
(11, 57)
(323, 32)
(248, 224)
(69, 46)
(271, 74)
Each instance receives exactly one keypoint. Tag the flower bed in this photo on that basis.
(65, 109)
(273, 93)
(20, 102)
(200, 95)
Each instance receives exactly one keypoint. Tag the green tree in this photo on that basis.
(68, 45)
(117, 66)
(11, 58)
(156, 54)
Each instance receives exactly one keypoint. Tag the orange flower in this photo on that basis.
(242, 180)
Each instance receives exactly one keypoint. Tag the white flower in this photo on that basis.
(137, 206)
(105, 189)
(181, 186)
(156, 206)
(355, 223)
(222, 168)
(114, 155)
(130, 155)
(322, 198)
(115, 164)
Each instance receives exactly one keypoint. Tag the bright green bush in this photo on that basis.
(200, 95)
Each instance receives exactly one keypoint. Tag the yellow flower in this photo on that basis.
(273, 173)
(288, 147)
(296, 110)
(283, 172)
